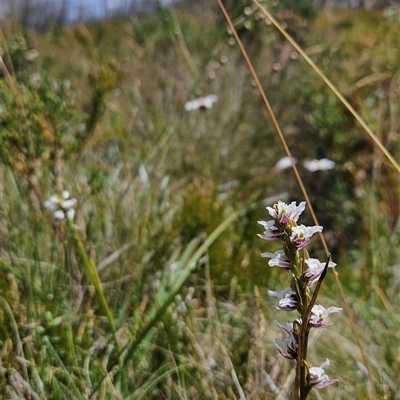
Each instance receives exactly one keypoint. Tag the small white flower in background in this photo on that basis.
(61, 205)
(319, 165)
(59, 214)
(52, 203)
(285, 163)
(318, 378)
(201, 102)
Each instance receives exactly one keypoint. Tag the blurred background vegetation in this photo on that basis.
(98, 109)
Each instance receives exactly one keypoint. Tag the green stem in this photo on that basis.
(304, 387)
(93, 275)
(91, 272)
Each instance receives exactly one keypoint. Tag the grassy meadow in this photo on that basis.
(157, 289)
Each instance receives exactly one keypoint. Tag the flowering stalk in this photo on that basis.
(62, 208)
(305, 273)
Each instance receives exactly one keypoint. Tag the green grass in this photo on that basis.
(158, 290)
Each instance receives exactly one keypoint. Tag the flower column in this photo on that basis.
(306, 272)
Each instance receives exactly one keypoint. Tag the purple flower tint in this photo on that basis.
(287, 299)
(285, 212)
(315, 268)
(318, 379)
(319, 313)
(288, 346)
(301, 235)
(277, 259)
(271, 231)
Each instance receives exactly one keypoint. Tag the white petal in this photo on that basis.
(67, 204)
(207, 102)
(52, 203)
(319, 165)
(326, 164)
(71, 214)
(311, 165)
(284, 163)
(59, 214)
(325, 364)
(192, 105)
(212, 97)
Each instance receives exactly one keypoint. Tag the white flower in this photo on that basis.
(319, 165)
(285, 212)
(61, 205)
(315, 268)
(271, 231)
(52, 203)
(202, 102)
(288, 346)
(70, 214)
(319, 313)
(285, 162)
(287, 299)
(68, 204)
(59, 214)
(318, 379)
(301, 234)
(277, 259)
